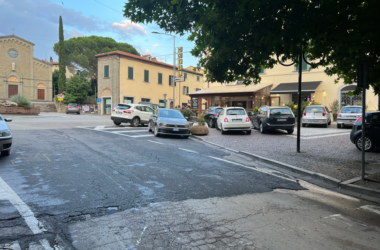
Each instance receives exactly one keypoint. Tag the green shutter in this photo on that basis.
(130, 73)
(197, 78)
(106, 71)
(159, 78)
(262, 70)
(185, 74)
(170, 80)
(146, 75)
(304, 65)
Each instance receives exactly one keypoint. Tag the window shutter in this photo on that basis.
(197, 78)
(106, 71)
(130, 73)
(146, 75)
(159, 78)
(170, 80)
(185, 75)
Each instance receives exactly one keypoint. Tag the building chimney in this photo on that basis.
(149, 57)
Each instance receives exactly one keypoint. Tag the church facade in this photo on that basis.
(21, 72)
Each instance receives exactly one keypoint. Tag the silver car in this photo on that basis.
(348, 115)
(316, 114)
(73, 108)
(5, 136)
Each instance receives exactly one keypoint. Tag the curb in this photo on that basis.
(310, 176)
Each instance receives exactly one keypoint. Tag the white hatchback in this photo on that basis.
(232, 119)
(135, 114)
(316, 114)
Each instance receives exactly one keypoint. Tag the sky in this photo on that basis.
(37, 21)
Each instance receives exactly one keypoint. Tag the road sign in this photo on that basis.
(99, 100)
(179, 79)
(60, 96)
(60, 99)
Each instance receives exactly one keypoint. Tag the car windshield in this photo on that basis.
(314, 110)
(281, 111)
(170, 114)
(351, 110)
(123, 107)
(235, 112)
(218, 111)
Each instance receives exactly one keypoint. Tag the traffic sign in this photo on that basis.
(179, 79)
(60, 99)
(99, 100)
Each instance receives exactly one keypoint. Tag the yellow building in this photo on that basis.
(127, 78)
(70, 71)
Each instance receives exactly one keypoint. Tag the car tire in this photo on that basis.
(185, 137)
(67, 113)
(369, 140)
(135, 122)
(249, 132)
(262, 129)
(5, 153)
(338, 125)
(326, 125)
(210, 123)
(329, 122)
(290, 131)
(221, 129)
(156, 131)
(149, 128)
(303, 125)
(116, 123)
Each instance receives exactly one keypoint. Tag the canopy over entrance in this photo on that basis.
(292, 88)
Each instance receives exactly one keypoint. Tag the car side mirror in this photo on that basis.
(154, 115)
(8, 119)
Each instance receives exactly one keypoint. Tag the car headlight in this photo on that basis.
(162, 124)
(5, 133)
(186, 126)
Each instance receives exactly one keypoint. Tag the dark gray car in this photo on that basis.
(5, 136)
(168, 122)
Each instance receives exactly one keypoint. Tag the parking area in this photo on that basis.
(324, 150)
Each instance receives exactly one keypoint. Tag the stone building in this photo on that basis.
(22, 73)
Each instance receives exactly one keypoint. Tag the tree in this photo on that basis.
(62, 58)
(55, 81)
(81, 51)
(77, 90)
(239, 37)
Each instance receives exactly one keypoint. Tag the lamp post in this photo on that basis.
(173, 81)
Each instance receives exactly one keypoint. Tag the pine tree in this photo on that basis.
(61, 60)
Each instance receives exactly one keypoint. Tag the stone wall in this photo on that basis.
(17, 110)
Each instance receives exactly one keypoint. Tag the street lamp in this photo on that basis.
(173, 82)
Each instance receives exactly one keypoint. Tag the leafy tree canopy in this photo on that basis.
(77, 89)
(81, 51)
(241, 36)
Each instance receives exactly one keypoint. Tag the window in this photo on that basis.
(171, 81)
(235, 112)
(185, 90)
(197, 78)
(197, 89)
(262, 70)
(130, 73)
(159, 78)
(280, 111)
(376, 118)
(304, 65)
(146, 75)
(145, 100)
(128, 100)
(162, 103)
(351, 110)
(106, 71)
(185, 75)
(147, 109)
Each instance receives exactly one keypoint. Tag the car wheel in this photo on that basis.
(78, 113)
(116, 123)
(149, 128)
(221, 129)
(326, 125)
(185, 136)
(67, 113)
(369, 143)
(262, 130)
(303, 125)
(135, 122)
(249, 132)
(156, 131)
(210, 123)
(6, 152)
(338, 125)
(329, 123)
(290, 131)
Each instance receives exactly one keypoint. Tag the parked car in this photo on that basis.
(154, 106)
(5, 136)
(211, 115)
(233, 119)
(316, 114)
(73, 108)
(274, 117)
(135, 114)
(348, 115)
(168, 122)
(372, 131)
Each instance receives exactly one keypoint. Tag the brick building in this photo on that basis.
(20, 72)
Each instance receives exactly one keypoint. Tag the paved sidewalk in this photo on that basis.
(327, 151)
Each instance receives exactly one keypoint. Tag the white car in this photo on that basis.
(316, 114)
(135, 114)
(233, 119)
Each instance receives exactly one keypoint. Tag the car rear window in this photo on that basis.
(314, 110)
(351, 110)
(167, 113)
(281, 111)
(218, 111)
(235, 112)
(123, 107)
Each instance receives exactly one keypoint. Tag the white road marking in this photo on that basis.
(371, 208)
(138, 136)
(99, 127)
(12, 245)
(45, 243)
(188, 150)
(127, 131)
(139, 240)
(155, 142)
(252, 168)
(24, 210)
(318, 136)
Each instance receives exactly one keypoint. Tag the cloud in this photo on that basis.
(72, 33)
(127, 28)
(156, 45)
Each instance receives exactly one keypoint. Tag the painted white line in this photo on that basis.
(252, 168)
(155, 142)
(45, 243)
(139, 240)
(371, 208)
(138, 136)
(319, 136)
(12, 245)
(99, 127)
(130, 131)
(188, 150)
(24, 210)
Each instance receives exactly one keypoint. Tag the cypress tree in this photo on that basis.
(61, 60)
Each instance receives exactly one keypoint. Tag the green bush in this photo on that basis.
(294, 107)
(255, 109)
(335, 107)
(21, 101)
(201, 120)
(186, 112)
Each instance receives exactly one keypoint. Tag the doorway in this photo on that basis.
(107, 106)
(41, 94)
(275, 101)
(12, 90)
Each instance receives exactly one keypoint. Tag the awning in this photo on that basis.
(292, 88)
(227, 89)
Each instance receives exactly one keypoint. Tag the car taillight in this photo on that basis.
(113, 110)
(128, 111)
(247, 119)
(324, 111)
(78, 107)
(268, 113)
(359, 119)
(215, 114)
(339, 115)
(226, 119)
(69, 107)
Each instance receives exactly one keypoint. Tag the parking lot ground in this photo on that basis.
(323, 150)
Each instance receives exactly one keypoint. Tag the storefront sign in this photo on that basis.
(195, 103)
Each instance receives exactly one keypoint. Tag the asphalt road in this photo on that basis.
(79, 182)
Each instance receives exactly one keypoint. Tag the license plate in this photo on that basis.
(237, 120)
(175, 129)
(350, 117)
(281, 120)
(120, 113)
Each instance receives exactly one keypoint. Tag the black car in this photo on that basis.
(154, 106)
(211, 114)
(5, 136)
(169, 122)
(273, 117)
(372, 131)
